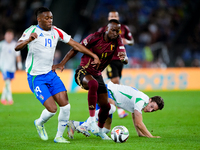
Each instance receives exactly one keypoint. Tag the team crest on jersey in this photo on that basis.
(41, 97)
(85, 42)
(24, 35)
(111, 47)
(120, 31)
(53, 36)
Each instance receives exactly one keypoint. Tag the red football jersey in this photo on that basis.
(104, 50)
(124, 33)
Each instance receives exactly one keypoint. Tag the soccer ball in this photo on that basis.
(119, 134)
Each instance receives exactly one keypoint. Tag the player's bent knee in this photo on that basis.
(52, 109)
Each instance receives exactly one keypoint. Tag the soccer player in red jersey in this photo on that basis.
(114, 69)
(105, 45)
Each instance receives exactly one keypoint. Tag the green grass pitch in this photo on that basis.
(178, 124)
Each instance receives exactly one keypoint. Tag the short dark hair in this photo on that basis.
(159, 101)
(113, 20)
(113, 11)
(10, 30)
(41, 10)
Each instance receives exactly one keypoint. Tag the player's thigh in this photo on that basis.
(40, 87)
(42, 93)
(50, 105)
(61, 98)
(82, 77)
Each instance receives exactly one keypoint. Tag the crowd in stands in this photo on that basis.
(153, 23)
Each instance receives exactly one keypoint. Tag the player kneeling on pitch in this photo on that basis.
(132, 100)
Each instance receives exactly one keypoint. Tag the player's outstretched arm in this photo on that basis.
(22, 43)
(140, 134)
(77, 46)
(139, 125)
(127, 42)
(67, 57)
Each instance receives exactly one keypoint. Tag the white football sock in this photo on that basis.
(90, 119)
(44, 117)
(5, 90)
(63, 118)
(100, 129)
(9, 93)
(4, 93)
(120, 110)
(105, 130)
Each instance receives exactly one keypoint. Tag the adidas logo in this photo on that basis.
(41, 35)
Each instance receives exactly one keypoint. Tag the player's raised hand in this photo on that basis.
(58, 66)
(96, 62)
(121, 55)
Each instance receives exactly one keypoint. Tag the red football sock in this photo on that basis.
(103, 114)
(92, 96)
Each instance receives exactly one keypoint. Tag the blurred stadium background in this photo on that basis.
(166, 34)
(168, 28)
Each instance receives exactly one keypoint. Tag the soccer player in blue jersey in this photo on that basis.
(41, 40)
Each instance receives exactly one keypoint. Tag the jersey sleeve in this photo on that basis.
(18, 53)
(63, 36)
(120, 47)
(139, 106)
(87, 41)
(102, 29)
(27, 32)
(128, 34)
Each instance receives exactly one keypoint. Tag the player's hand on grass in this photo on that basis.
(156, 137)
(58, 66)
